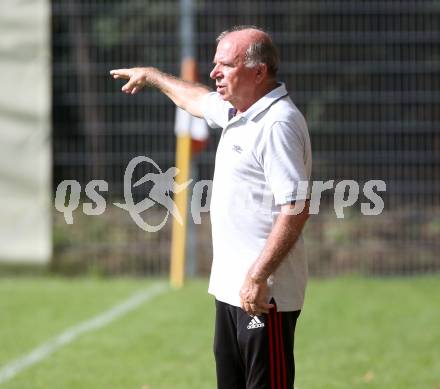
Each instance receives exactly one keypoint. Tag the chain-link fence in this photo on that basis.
(366, 74)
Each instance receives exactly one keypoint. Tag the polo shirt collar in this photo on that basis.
(265, 102)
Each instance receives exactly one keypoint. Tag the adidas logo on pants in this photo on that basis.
(255, 323)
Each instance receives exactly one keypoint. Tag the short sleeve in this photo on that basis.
(215, 110)
(286, 159)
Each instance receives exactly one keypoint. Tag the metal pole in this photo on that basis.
(187, 29)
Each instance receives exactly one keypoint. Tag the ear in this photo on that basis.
(261, 74)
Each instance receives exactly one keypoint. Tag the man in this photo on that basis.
(258, 207)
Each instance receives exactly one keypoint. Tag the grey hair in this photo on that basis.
(261, 51)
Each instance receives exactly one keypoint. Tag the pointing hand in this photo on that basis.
(137, 79)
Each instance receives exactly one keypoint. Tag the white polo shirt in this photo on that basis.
(262, 155)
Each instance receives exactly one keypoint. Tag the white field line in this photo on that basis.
(43, 351)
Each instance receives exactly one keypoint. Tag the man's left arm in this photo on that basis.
(285, 232)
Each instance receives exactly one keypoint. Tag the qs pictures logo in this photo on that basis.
(163, 185)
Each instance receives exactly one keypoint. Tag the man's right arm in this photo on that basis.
(186, 95)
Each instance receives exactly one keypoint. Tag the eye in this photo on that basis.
(224, 64)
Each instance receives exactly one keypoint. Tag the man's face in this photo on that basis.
(234, 81)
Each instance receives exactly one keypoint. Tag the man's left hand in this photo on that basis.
(253, 297)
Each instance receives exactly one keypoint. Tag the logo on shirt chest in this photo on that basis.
(237, 149)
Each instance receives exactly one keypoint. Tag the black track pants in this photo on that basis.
(254, 352)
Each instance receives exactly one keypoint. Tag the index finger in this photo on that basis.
(120, 73)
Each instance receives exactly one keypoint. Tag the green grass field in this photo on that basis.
(353, 333)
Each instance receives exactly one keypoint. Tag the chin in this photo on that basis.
(225, 97)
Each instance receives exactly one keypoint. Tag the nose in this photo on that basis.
(214, 72)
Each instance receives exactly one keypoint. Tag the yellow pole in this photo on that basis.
(183, 159)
